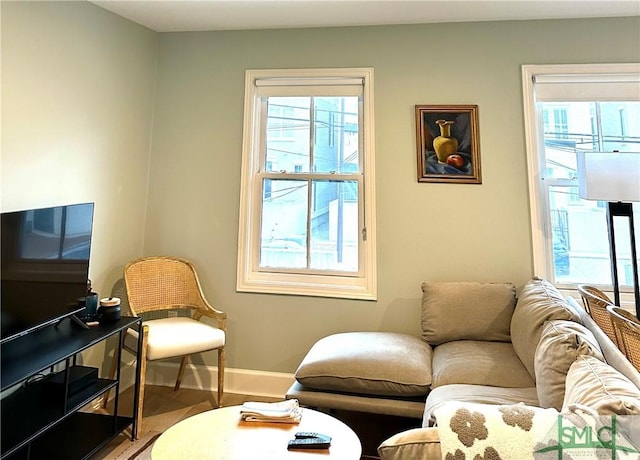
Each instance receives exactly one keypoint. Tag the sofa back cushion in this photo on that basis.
(560, 344)
(595, 384)
(466, 311)
(538, 302)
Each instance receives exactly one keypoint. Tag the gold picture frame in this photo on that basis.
(448, 144)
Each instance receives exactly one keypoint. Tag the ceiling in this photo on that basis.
(199, 15)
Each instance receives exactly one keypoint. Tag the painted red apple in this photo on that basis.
(455, 160)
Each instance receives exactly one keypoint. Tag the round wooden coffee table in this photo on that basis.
(220, 434)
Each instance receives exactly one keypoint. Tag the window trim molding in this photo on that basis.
(248, 279)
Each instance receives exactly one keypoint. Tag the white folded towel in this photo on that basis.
(288, 411)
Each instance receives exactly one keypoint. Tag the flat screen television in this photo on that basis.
(44, 267)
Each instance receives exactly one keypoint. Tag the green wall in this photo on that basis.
(77, 105)
(425, 231)
(149, 126)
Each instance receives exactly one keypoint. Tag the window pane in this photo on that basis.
(580, 239)
(334, 226)
(284, 224)
(589, 127)
(287, 138)
(620, 126)
(336, 134)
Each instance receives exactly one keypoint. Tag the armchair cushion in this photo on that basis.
(593, 383)
(450, 311)
(372, 363)
(177, 336)
(560, 344)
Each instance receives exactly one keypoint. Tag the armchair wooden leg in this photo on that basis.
(143, 373)
(220, 375)
(183, 363)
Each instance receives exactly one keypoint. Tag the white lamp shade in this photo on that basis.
(609, 176)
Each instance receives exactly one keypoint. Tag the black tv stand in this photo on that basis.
(48, 421)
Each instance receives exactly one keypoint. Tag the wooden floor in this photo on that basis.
(163, 408)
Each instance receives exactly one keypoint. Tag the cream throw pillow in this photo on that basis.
(539, 301)
(595, 384)
(560, 344)
(467, 311)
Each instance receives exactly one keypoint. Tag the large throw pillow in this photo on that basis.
(372, 363)
(538, 301)
(593, 383)
(466, 311)
(560, 344)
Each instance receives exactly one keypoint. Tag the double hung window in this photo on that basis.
(307, 189)
(570, 109)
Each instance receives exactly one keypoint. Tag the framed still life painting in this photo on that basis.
(448, 144)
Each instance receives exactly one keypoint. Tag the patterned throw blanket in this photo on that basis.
(487, 432)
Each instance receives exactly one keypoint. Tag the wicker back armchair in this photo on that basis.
(166, 293)
(596, 302)
(627, 328)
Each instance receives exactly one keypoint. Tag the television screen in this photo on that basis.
(44, 267)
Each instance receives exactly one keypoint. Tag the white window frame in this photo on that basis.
(250, 278)
(538, 193)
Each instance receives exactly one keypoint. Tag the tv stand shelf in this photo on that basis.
(49, 417)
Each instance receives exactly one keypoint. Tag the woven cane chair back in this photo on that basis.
(163, 283)
(627, 327)
(596, 303)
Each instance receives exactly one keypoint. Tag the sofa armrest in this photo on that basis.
(414, 444)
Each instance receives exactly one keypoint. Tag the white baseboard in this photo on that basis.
(242, 381)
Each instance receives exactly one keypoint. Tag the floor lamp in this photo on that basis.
(614, 177)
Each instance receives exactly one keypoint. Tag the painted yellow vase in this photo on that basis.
(444, 144)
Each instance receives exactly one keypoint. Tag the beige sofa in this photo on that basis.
(487, 343)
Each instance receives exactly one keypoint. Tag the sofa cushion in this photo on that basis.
(538, 301)
(477, 362)
(466, 311)
(593, 383)
(373, 363)
(405, 406)
(560, 344)
(412, 444)
(480, 394)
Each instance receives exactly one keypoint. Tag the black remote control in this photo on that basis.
(311, 434)
(308, 443)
